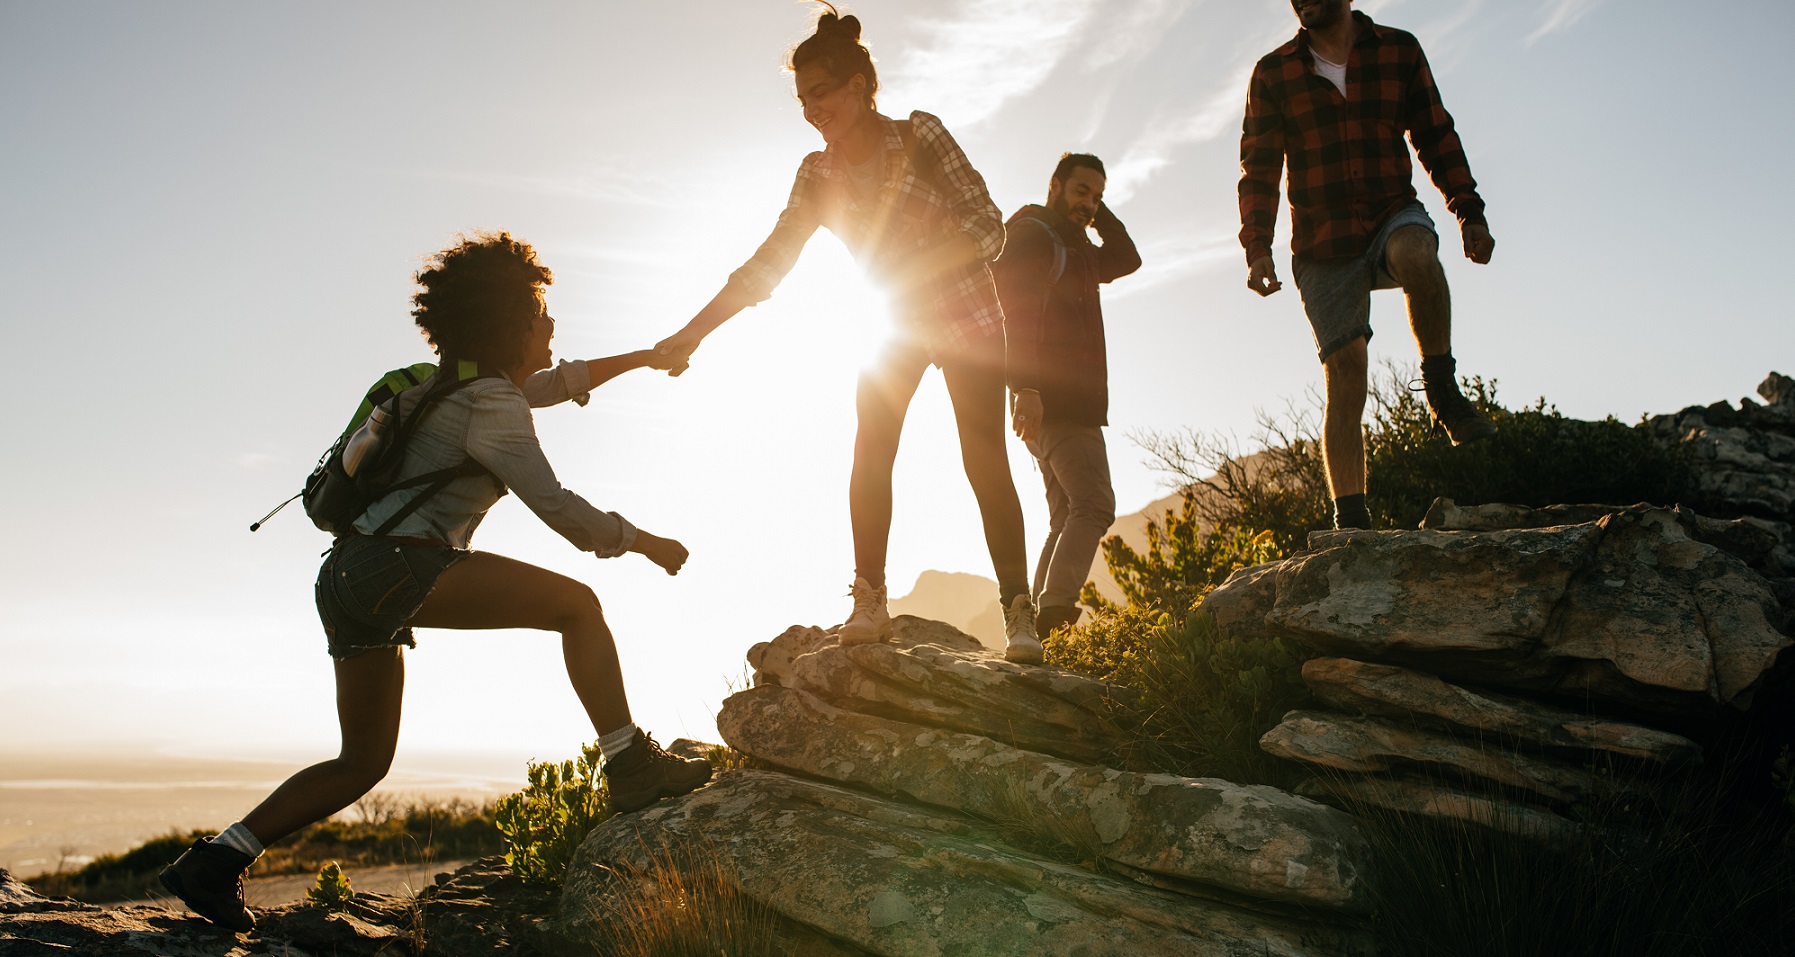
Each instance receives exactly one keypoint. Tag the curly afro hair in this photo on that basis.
(479, 297)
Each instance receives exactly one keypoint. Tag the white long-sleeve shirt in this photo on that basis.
(489, 421)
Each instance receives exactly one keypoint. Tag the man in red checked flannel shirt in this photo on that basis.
(1334, 104)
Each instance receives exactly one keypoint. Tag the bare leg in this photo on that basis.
(1412, 256)
(883, 398)
(977, 391)
(1342, 435)
(491, 591)
(370, 687)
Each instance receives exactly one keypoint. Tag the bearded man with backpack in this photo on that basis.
(1058, 367)
(402, 560)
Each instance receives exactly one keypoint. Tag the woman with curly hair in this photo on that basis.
(905, 200)
(482, 307)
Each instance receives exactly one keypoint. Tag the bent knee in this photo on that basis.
(574, 605)
(1413, 252)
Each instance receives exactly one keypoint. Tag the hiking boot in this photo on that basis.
(870, 620)
(642, 774)
(208, 878)
(1051, 618)
(1021, 644)
(1455, 413)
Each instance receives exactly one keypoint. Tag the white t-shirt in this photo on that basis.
(1330, 71)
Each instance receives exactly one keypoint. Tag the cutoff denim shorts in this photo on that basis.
(369, 588)
(1337, 292)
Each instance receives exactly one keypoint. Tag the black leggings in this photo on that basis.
(975, 384)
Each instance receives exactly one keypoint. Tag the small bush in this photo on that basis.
(544, 823)
(1196, 699)
(331, 890)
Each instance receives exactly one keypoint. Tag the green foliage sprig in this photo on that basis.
(331, 890)
(544, 823)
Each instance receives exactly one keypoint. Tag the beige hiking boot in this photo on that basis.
(1022, 645)
(870, 620)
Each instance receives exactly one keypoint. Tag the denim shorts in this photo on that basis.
(369, 588)
(1337, 292)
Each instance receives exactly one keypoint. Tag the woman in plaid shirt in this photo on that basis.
(905, 200)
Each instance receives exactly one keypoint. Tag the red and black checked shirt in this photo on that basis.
(1349, 168)
(911, 211)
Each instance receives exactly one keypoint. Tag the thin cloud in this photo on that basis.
(1168, 260)
(991, 52)
(1561, 15)
(1153, 152)
(1141, 26)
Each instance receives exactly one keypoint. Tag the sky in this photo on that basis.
(213, 212)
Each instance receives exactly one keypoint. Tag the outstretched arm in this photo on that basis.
(755, 281)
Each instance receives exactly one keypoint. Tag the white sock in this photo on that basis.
(238, 838)
(613, 743)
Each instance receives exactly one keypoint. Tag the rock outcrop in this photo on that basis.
(480, 910)
(1628, 610)
(1496, 665)
(923, 796)
(1745, 458)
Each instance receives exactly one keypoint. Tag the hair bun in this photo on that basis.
(833, 24)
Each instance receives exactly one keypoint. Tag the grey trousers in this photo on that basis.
(1081, 506)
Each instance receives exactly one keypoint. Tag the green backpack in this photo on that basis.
(363, 465)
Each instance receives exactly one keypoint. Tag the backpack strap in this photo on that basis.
(922, 160)
(1058, 268)
(467, 373)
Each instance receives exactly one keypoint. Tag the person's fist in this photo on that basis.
(1478, 243)
(1262, 276)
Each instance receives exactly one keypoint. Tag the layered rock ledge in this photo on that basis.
(923, 796)
(1502, 664)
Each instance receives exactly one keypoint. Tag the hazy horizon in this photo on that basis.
(216, 209)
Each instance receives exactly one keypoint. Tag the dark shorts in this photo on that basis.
(1337, 292)
(369, 588)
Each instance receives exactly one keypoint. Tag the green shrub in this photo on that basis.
(1539, 457)
(545, 822)
(331, 890)
(1195, 699)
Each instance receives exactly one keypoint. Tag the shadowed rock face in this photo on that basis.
(1391, 691)
(1255, 841)
(1628, 609)
(900, 879)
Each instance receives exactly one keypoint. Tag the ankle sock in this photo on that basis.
(1350, 512)
(239, 839)
(613, 743)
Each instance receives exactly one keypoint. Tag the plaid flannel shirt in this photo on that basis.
(911, 211)
(1349, 169)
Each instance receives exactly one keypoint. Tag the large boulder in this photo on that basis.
(908, 880)
(932, 674)
(1628, 609)
(1250, 840)
(1423, 798)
